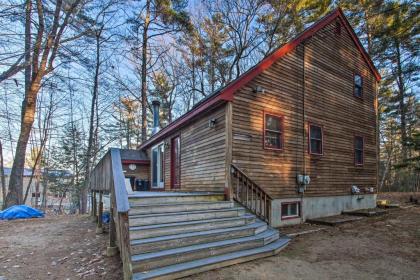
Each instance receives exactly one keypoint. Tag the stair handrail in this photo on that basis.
(121, 196)
(250, 195)
(108, 176)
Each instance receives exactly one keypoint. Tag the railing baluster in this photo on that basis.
(251, 195)
(237, 187)
(246, 203)
(265, 205)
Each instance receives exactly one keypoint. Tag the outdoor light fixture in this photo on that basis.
(212, 123)
(259, 89)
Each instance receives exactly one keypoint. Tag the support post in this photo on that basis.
(99, 227)
(125, 245)
(112, 248)
(91, 204)
(94, 207)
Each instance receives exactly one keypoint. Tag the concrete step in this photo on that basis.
(140, 209)
(153, 219)
(188, 268)
(174, 197)
(190, 226)
(154, 244)
(149, 261)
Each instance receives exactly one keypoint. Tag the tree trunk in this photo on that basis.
(28, 68)
(3, 179)
(143, 75)
(15, 193)
(44, 190)
(402, 105)
(84, 193)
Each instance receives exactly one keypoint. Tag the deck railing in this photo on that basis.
(250, 195)
(108, 177)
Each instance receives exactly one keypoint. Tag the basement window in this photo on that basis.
(315, 140)
(290, 210)
(358, 150)
(273, 132)
(358, 86)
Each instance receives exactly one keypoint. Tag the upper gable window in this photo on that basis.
(273, 132)
(358, 85)
(337, 28)
(315, 139)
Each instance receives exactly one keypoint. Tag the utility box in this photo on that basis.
(303, 179)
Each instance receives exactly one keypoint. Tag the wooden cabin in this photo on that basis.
(308, 109)
(293, 138)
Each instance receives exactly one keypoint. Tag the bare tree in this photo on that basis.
(3, 179)
(42, 58)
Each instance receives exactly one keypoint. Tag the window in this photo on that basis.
(158, 166)
(338, 28)
(59, 195)
(358, 86)
(358, 150)
(290, 210)
(315, 139)
(273, 132)
(36, 194)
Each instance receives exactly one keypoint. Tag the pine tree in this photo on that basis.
(398, 57)
(284, 19)
(127, 123)
(69, 155)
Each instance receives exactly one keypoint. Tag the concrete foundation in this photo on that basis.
(316, 207)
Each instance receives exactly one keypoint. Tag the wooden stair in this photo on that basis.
(173, 235)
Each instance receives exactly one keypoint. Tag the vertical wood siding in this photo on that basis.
(202, 154)
(142, 171)
(330, 61)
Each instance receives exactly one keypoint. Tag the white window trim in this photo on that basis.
(160, 181)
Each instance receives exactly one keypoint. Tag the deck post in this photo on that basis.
(94, 207)
(92, 214)
(112, 248)
(228, 151)
(99, 227)
(125, 245)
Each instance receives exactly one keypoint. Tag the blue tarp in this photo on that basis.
(20, 212)
(105, 217)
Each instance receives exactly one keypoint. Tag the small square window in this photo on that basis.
(36, 194)
(358, 150)
(273, 132)
(315, 139)
(358, 86)
(290, 210)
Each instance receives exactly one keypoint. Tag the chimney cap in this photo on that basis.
(156, 102)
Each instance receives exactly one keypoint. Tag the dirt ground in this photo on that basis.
(66, 247)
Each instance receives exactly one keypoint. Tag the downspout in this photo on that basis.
(302, 193)
(378, 159)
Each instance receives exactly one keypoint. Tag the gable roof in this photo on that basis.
(227, 92)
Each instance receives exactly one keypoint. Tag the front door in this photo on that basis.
(175, 162)
(157, 166)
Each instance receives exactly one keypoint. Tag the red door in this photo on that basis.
(175, 162)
